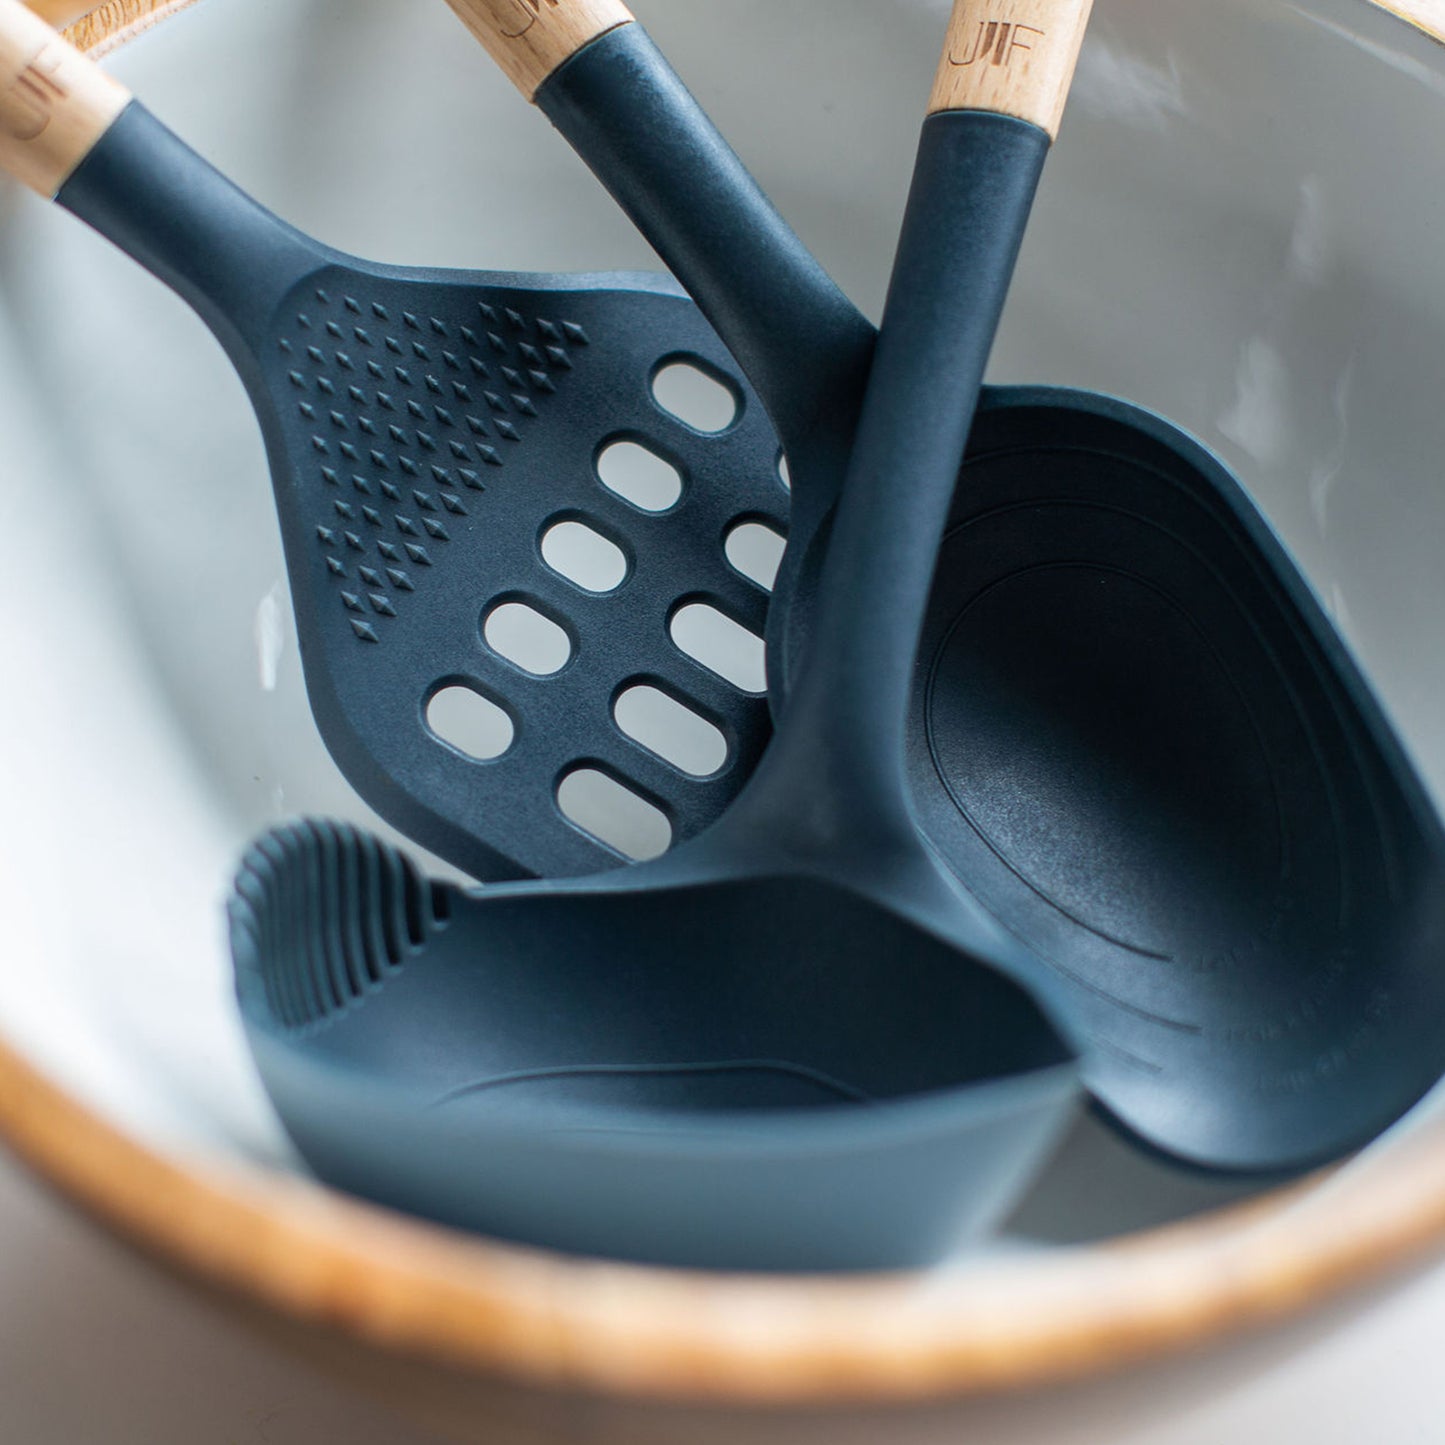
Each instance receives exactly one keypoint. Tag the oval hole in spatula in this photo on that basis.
(638, 475)
(584, 556)
(671, 729)
(462, 718)
(721, 645)
(694, 397)
(756, 551)
(525, 637)
(613, 814)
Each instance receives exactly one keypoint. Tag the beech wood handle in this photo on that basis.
(54, 103)
(529, 39)
(1013, 57)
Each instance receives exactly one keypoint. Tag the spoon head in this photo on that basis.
(771, 1074)
(1138, 739)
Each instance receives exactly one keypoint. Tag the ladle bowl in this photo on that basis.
(1137, 736)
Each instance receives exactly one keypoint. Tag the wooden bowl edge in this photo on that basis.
(1426, 15)
(101, 28)
(411, 1288)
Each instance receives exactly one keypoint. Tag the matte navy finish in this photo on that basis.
(1135, 734)
(806, 950)
(424, 428)
(792, 330)
(804, 346)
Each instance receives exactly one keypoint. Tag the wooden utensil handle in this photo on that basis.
(529, 39)
(54, 103)
(1014, 57)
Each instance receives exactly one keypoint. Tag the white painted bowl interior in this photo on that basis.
(1240, 227)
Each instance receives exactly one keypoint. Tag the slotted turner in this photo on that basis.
(425, 430)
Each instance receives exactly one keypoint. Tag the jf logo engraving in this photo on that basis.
(28, 102)
(995, 42)
(523, 15)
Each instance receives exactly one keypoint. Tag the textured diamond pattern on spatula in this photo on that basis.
(408, 411)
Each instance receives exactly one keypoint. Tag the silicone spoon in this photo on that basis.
(426, 431)
(1134, 735)
(807, 948)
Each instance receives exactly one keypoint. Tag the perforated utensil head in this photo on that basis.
(431, 436)
(427, 431)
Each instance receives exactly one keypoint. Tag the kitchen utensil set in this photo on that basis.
(1073, 780)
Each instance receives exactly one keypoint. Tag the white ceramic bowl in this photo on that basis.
(1239, 228)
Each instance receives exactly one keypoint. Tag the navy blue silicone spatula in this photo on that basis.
(793, 1042)
(1134, 735)
(428, 434)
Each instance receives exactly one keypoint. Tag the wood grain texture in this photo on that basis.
(529, 39)
(99, 29)
(347, 1269)
(54, 102)
(1012, 57)
(1427, 15)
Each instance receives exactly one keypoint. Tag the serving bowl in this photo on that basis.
(1218, 239)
